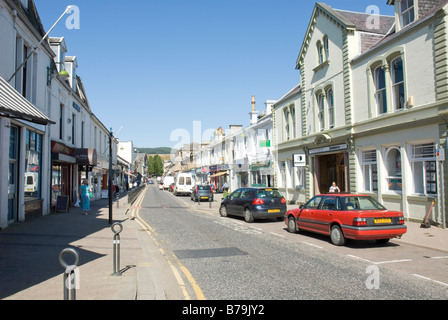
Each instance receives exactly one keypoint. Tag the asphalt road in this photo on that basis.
(226, 259)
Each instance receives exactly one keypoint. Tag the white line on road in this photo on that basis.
(429, 279)
(312, 245)
(379, 262)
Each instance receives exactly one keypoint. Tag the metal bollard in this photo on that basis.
(210, 202)
(116, 250)
(71, 274)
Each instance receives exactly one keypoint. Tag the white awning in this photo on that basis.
(14, 105)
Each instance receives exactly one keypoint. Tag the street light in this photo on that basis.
(68, 9)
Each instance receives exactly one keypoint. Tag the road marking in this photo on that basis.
(379, 262)
(185, 271)
(312, 245)
(429, 279)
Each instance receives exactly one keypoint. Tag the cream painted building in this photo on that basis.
(370, 110)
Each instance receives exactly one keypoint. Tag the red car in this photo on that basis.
(347, 216)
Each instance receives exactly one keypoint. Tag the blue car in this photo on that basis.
(254, 203)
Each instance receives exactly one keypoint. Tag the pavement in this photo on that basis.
(29, 254)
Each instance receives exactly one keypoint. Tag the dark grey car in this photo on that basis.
(254, 203)
(202, 192)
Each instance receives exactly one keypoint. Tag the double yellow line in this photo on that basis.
(168, 255)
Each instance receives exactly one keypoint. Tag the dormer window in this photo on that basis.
(407, 12)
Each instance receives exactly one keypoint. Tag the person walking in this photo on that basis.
(85, 196)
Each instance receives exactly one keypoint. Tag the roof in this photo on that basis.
(14, 105)
(292, 92)
(348, 20)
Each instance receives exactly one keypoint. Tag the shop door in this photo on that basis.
(13, 174)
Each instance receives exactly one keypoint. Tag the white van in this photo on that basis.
(31, 183)
(184, 184)
(167, 181)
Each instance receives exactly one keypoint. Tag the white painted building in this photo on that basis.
(370, 109)
(41, 162)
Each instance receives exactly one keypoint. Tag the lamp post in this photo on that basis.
(110, 175)
(68, 9)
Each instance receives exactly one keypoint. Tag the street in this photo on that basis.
(218, 258)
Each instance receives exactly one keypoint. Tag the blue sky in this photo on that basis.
(153, 66)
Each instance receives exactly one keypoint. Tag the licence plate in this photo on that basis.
(383, 220)
(204, 197)
(273, 210)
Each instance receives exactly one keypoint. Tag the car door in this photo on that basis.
(308, 218)
(245, 200)
(232, 201)
(326, 213)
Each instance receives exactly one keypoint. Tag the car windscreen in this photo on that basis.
(361, 203)
(203, 188)
(269, 193)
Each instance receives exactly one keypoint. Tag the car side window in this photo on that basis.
(235, 194)
(329, 203)
(313, 203)
(247, 194)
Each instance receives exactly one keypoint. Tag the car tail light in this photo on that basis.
(359, 222)
(401, 220)
(258, 201)
(283, 200)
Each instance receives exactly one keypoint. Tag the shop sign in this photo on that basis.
(260, 165)
(334, 148)
(299, 160)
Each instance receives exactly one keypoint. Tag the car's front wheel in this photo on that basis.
(292, 225)
(336, 235)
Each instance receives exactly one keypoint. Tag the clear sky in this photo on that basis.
(150, 67)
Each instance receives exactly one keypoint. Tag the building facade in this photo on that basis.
(370, 109)
(49, 136)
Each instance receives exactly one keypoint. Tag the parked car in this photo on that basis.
(254, 203)
(202, 192)
(347, 216)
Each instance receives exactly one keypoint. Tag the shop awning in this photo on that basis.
(219, 174)
(14, 105)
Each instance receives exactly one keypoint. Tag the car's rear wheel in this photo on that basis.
(223, 211)
(336, 235)
(248, 216)
(292, 225)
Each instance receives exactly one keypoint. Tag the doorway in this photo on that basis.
(329, 168)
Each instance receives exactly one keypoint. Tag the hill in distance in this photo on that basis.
(161, 150)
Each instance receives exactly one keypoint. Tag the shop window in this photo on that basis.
(393, 169)
(423, 164)
(369, 171)
(33, 161)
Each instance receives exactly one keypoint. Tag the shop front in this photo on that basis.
(63, 172)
